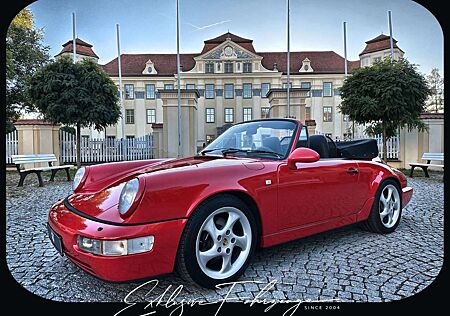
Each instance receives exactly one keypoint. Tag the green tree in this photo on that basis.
(435, 102)
(25, 53)
(385, 97)
(78, 93)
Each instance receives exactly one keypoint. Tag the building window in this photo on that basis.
(327, 88)
(337, 91)
(129, 91)
(228, 66)
(247, 67)
(285, 85)
(265, 87)
(210, 138)
(327, 114)
(307, 113)
(209, 91)
(168, 86)
(209, 68)
(247, 114)
(229, 115)
(265, 113)
(377, 59)
(306, 85)
(229, 91)
(247, 90)
(149, 91)
(151, 116)
(210, 115)
(190, 86)
(129, 116)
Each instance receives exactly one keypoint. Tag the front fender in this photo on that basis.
(175, 195)
(100, 177)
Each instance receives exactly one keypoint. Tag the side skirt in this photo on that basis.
(315, 228)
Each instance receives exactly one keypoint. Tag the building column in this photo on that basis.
(189, 117)
(37, 137)
(278, 103)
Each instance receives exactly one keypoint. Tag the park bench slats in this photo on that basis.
(428, 157)
(19, 160)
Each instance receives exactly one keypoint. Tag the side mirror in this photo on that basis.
(302, 154)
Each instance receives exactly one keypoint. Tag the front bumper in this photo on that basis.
(159, 260)
(407, 193)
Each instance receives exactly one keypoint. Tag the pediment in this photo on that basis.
(228, 50)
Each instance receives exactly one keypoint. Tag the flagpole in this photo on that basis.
(288, 63)
(346, 67)
(74, 37)
(391, 40)
(178, 80)
(122, 108)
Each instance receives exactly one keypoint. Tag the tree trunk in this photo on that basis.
(78, 145)
(384, 145)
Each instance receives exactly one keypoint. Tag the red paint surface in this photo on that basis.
(314, 197)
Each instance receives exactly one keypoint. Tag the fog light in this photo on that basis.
(116, 247)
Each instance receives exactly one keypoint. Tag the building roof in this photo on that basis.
(82, 47)
(165, 64)
(379, 43)
(214, 42)
(321, 61)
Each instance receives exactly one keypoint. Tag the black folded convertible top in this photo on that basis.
(358, 149)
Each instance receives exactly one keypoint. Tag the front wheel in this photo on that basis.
(386, 210)
(218, 242)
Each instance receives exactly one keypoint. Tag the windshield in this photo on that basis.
(271, 138)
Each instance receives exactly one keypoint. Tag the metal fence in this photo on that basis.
(105, 150)
(11, 146)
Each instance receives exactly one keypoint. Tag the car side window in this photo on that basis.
(303, 140)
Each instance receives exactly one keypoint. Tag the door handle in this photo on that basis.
(352, 170)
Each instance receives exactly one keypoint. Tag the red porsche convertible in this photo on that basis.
(260, 183)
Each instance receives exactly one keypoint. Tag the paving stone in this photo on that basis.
(347, 263)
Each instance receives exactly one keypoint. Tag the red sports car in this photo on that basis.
(260, 183)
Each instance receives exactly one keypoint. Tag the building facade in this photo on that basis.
(233, 83)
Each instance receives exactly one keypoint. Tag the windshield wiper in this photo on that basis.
(249, 151)
(215, 149)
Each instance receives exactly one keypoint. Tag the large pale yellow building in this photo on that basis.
(232, 82)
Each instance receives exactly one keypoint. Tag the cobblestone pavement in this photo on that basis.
(347, 264)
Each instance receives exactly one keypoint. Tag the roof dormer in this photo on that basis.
(149, 68)
(306, 66)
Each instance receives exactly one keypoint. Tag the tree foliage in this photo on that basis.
(75, 93)
(78, 93)
(435, 102)
(25, 53)
(385, 97)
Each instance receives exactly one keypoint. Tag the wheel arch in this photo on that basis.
(248, 201)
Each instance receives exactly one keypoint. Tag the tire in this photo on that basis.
(203, 259)
(385, 224)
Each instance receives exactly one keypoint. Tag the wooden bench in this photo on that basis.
(428, 157)
(40, 158)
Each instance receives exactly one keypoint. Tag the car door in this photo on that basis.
(317, 191)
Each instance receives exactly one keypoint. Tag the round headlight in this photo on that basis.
(78, 177)
(128, 195)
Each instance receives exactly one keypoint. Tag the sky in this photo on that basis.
(149, 26)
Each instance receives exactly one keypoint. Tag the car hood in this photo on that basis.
(100, 198)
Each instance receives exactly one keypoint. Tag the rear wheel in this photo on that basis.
(386, 209)
(218, 242)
